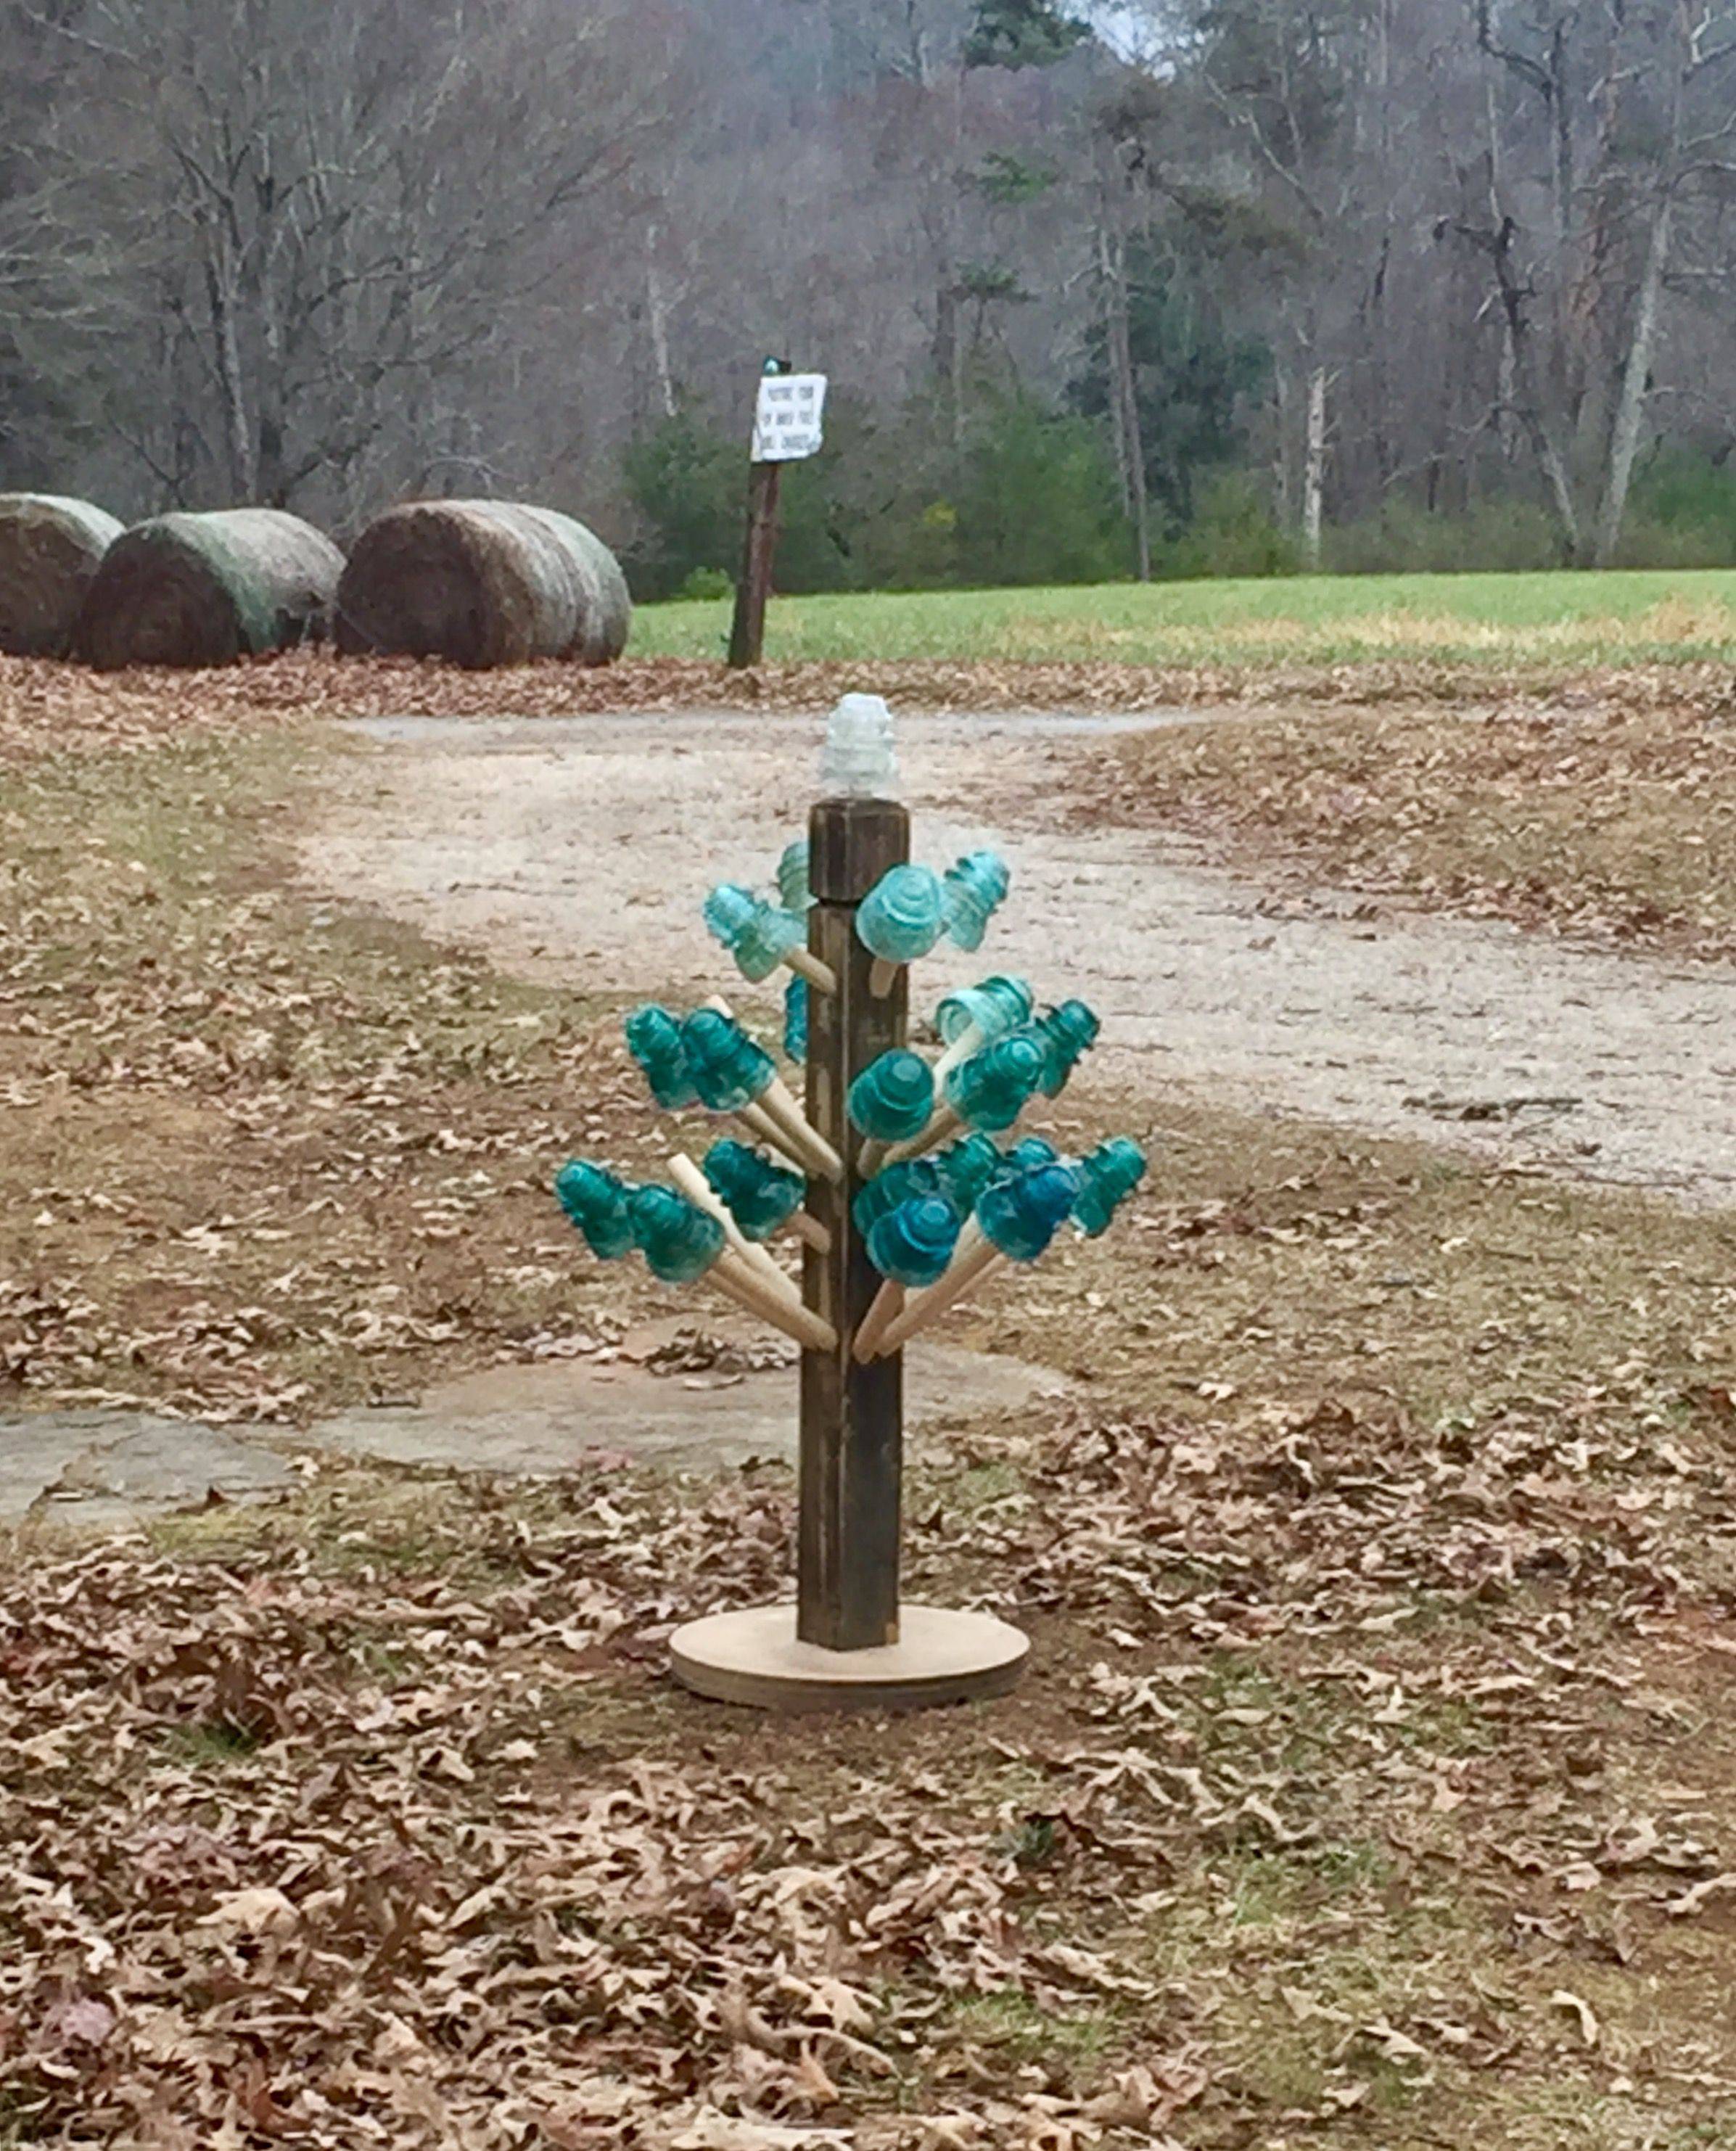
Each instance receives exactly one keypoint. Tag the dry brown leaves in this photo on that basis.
(382, 1831)
(305, 1851)
(48, 707)
(1604, 813)
(1376, 1769)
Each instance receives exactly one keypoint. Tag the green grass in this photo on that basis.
(1628, 617)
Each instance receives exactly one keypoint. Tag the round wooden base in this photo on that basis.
(754, 1657)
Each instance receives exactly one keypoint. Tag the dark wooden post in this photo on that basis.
(851, 1460)
(747, 634)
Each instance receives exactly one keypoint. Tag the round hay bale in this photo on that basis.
(484, 583)
(206, 590)
(50, 547)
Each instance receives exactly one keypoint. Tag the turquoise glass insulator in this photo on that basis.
(1106, 1178)
(1029, 1152)
(793, 892)
(975, 888)
(596, 1203)
(913, 1244)
(759, 1195)
(680, 1240)
(893, 1097)
(1071, 1030)
(902, 915)
(991, 1088)
(729, 1070)
(653, 1039)
(894, 1184)
(995, 1006)
(757, 934)
(795, 1019)
(967, 1166)
(1022, 1213)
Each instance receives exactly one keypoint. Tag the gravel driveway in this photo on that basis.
(581, 848)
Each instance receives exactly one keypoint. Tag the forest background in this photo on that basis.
(1207, 286)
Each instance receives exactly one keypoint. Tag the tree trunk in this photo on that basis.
(1630, 403)
(1283, 461)
(656, 313)
(238, 434)
(1124, 397)
(1313, 469)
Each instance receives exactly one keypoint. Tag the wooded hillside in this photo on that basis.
(1214, 284)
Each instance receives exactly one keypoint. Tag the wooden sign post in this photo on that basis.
(747, 631)
(787, 428)
(849, 1641)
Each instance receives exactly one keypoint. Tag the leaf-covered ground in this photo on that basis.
(1374, 1786)
(1608, 813)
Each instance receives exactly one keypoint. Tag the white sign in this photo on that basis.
(787, 421)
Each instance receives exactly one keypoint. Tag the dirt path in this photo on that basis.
(583, 847)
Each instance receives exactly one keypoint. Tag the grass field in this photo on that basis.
(1620, 617)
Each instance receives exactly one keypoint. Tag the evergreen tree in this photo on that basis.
(1020, 34)
(1195, 377)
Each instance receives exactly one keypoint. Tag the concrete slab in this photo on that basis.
(108, 1467)
(547, 1417)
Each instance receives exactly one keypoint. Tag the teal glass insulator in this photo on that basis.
(995, 1006)
(893, 1097)
(759, 1195)
(913, 1244)
(679, 1240)
(894, 1184)
(729, 1070)
(653, 1039)
(902, 915)
(1029, 1152)
(1022, 1213)
(990, 1089)
(596, 1203)
(757, 934)
(795, 1019)
(793, 892)
(975, 888)
(967, 1166)
(1106, 1178)
(1071, 1030)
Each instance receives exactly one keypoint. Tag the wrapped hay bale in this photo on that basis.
(484, 583)
(205, 590)
(50, 547)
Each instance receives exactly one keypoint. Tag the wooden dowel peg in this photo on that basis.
(945, 1120)
(760, 1123)
(817, 1160)
(869, 1159)
(694, 1185)
(776, 1100)
(968, 1040)
(927, 1306)
(789, 1134)
(810, 1230)
(883, 976)
(815, 970)
(737, 1281)
(889, 1305)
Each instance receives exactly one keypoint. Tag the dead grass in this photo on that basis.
(261, 1157)
(1373, 1786)
(1610, 817)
